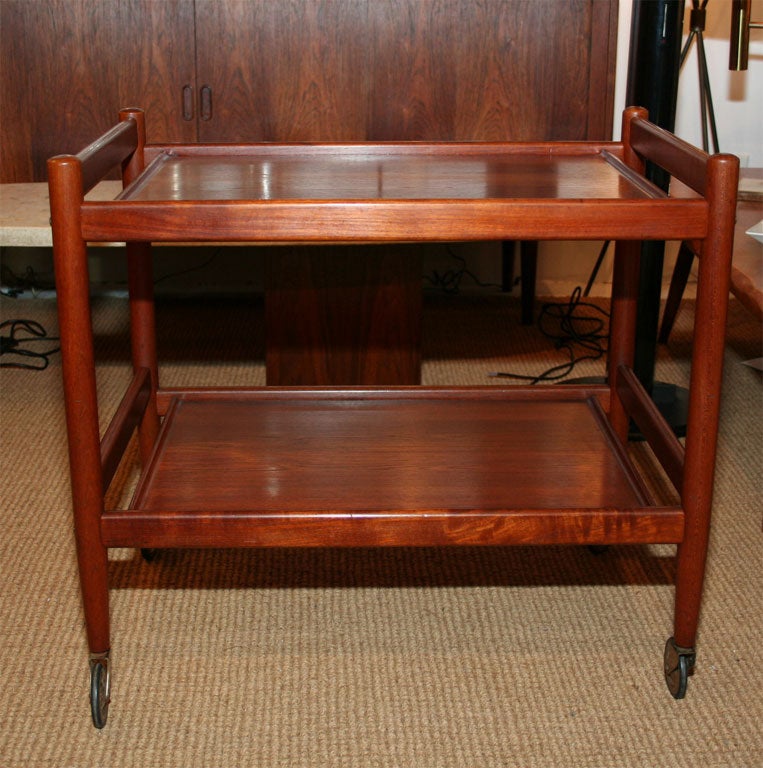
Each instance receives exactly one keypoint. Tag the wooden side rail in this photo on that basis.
(675, 156)
(649, 420)
(109, 150)
(126, 419)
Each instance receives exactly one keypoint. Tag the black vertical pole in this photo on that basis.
(654, 57)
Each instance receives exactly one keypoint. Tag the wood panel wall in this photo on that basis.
(313, 70)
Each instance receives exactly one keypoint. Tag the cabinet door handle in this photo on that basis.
(206, 102)
(187, 102)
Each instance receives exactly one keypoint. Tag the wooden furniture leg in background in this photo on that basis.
(529, 261)
(528, 256)
(678, 281)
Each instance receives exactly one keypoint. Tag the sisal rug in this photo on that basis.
(367, 658)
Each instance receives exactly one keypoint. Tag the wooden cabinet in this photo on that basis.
(334, 70)
(318, 71)
(69, 65)
(494, 70)
(302, 70)
(293, 71)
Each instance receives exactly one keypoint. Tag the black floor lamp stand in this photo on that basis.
(653, 66)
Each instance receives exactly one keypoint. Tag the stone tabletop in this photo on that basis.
(25, 212)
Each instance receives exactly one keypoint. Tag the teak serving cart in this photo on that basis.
(363, 466)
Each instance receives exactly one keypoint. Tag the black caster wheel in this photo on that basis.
(149, 555)
(679, 664)
(100, 689)
(598, 549)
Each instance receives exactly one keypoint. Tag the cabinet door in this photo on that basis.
(70, 65)
(312, 70)
(291, 70)
(496, 70)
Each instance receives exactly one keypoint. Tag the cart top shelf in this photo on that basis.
(391, 192)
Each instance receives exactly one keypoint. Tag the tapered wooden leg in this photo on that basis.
(622, 327)
(93, 565)
(704, 400)
(80, 395)
(141, 288)
(84, 459)
(143, 336)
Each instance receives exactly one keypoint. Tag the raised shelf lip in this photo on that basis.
(384, 149)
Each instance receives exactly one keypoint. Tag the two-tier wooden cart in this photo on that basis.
(364, 466)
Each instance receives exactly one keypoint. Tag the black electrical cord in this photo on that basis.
(188, 270)
(13, 285)
(450, 280)
(21, 334)
(570, 330)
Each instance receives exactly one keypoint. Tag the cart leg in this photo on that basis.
(702, 423)
(680, 654)
(143, 340)
(81, 402)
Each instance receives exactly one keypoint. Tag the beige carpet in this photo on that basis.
(418, 658)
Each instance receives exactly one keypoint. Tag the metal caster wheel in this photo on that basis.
(679, 664)
(100, 688)
(149, 555)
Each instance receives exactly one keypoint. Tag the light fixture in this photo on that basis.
(740, 33)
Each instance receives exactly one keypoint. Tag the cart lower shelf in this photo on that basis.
(375, 468)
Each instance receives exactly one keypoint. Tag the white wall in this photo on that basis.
(737, 96)
(738, 102)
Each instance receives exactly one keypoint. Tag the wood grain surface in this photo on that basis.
(302, 70)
